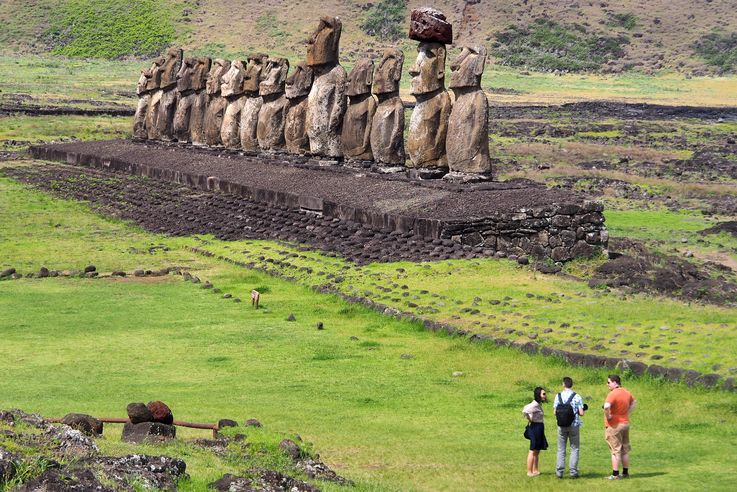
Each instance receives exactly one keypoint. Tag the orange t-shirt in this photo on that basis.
(620, 400)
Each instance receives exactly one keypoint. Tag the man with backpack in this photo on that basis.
(569, 408)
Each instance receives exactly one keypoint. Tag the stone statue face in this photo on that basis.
(389, 72)
(253, 73)
(274, 76)
(171, 66)
(466, 70)
(154, 81)
(300, 82)
(184, 75)
(428, 72)
(199, 72)
(143, 81)
(323, 45)
(233, 79)
(215, 78)
(361, 77)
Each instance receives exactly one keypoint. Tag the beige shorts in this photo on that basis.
(618, 438)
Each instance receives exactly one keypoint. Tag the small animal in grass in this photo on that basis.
(255, 297)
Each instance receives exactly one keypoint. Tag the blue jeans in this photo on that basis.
(572, 434)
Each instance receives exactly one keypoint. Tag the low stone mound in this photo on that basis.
(729, 227)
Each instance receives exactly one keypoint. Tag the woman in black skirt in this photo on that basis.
(533, 412)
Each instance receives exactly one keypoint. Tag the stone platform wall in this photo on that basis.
(557, 231)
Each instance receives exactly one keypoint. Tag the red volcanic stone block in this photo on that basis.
(429, 25)
(160, 412)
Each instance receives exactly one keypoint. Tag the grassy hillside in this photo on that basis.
(683, 35)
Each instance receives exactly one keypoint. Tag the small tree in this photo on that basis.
(385, 19)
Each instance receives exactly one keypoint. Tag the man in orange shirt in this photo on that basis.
(617, 407)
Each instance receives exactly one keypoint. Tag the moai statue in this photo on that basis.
(356, 133)
(144, 97)
(326, 103)
(189, 116)
(164, 101)
(387, 126)
(232, 91)
(252, 102)
(295, 127)
(468, 146)
(428, 125)
(272, 116)
(216, 103)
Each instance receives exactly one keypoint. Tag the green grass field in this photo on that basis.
(389, 422)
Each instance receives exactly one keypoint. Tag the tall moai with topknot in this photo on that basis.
(295, 126)
(216, 103)
(468, 143)
(252, 102)
(428, 125)
(189, 115)
(387, 125)
(145, 88)
(326, 103)
(160, 115)
(272, 116)
(356, 133)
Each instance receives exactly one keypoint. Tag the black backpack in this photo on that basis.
(564, 413)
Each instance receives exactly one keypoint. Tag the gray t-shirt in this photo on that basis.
(576, 403)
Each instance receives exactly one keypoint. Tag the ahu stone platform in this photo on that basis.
(515, 218)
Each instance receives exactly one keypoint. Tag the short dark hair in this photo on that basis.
(536, 394)
(568, 382)
(615, 378)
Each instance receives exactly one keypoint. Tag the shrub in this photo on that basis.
(548, 46)
(110, 29)
(718, 50)
(626, 20)
(385, 20)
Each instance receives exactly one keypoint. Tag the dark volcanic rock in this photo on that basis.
(150, 432)
(7, 272)
(139, 412)
(84, 423)
(290, 448)
(66, 480)
(222, 423)
(263, 480)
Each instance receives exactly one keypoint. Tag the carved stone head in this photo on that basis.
(184, 75)
(274, 76)
(466, 70)
(300, 82)
(361, 77)
(233, 79)
(389, 72)
(215, 78)
(143, 81)
(253, 74)
(428, 72)
(171, 66)
(154, 81)
(200, 71)
(323, 45)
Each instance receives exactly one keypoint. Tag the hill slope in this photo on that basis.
(659, 34)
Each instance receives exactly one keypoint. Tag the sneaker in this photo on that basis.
(559, 477)
(573, 477)
(613, 477)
